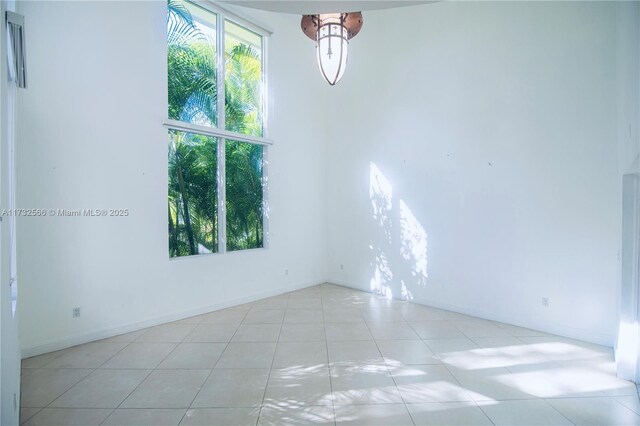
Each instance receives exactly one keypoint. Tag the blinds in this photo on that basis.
(16, 49)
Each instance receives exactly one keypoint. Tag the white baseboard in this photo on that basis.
(546, 327)
(103, 333)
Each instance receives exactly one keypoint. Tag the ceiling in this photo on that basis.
(308, 7)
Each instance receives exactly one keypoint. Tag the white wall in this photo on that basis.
(90, 136)
(628, 112)
(628, 89)
(9, 341)
(485, 132)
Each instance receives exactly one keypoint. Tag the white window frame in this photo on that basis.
(222, 135)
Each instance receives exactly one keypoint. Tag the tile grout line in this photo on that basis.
(266, 386)
(326, 346)
(152, 370)
(404, 402)
(190, 406)
(557, 410)
(520, 339)
(93, 369)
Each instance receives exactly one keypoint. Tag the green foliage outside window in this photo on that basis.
(193, 169)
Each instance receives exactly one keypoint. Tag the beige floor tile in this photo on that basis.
(347, 331)
(436, 330)
(354, 352)
(101, 389)
(304, 303)
(490, 384)
(194, 356)
(26, 413)
(406, 352)
(306, 293)
(382, 414)
(595, 411)
(507, 344)
(448, 414)
(247, 355)
(212, 333)
(145, 417)
(167, 333)
(475, 328)
(41, 361)
(412, 312)
(392, 330)
(264, 316)
(301, 316)
(560, 349)
(141, 355)
(167, 389)
(630, 401)
(271, 415)
(449, 346)
(69, 417)
(342, 315)
(233, 388)
(299, 386)
(428, 383)
(300, 354)
(385, 357)
(43, 386)
(221, 417)
(563, 382)
(302, 333)
(376, 314)
(523, 413)
(90, 355)
(363, 385)
(257, 333)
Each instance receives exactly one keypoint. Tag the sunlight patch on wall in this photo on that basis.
(382, 276)
(414, 242)
(405, 294)
(398, 243)
(380, 193)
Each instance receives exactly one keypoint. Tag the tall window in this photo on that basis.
(216, 131)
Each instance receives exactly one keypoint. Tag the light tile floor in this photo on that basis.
(329, 355)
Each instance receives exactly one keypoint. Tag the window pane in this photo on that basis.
(193, 194)
(191, 47)
(244, 196)
(243, 80)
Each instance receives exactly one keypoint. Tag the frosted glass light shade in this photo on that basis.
(332, 47)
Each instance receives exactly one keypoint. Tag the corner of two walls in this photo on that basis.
(472, 166)
(91, 136)
(456, 164)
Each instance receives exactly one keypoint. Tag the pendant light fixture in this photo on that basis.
(332, 32)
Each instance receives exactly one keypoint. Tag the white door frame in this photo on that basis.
(628, 344)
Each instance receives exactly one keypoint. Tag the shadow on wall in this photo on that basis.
(399, 242)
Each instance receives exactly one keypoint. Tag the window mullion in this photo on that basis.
(220, 99)
(222, 197)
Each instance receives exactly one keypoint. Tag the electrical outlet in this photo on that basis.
(341, 267)
(545, 302)
(286, 272)
(76, 312)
